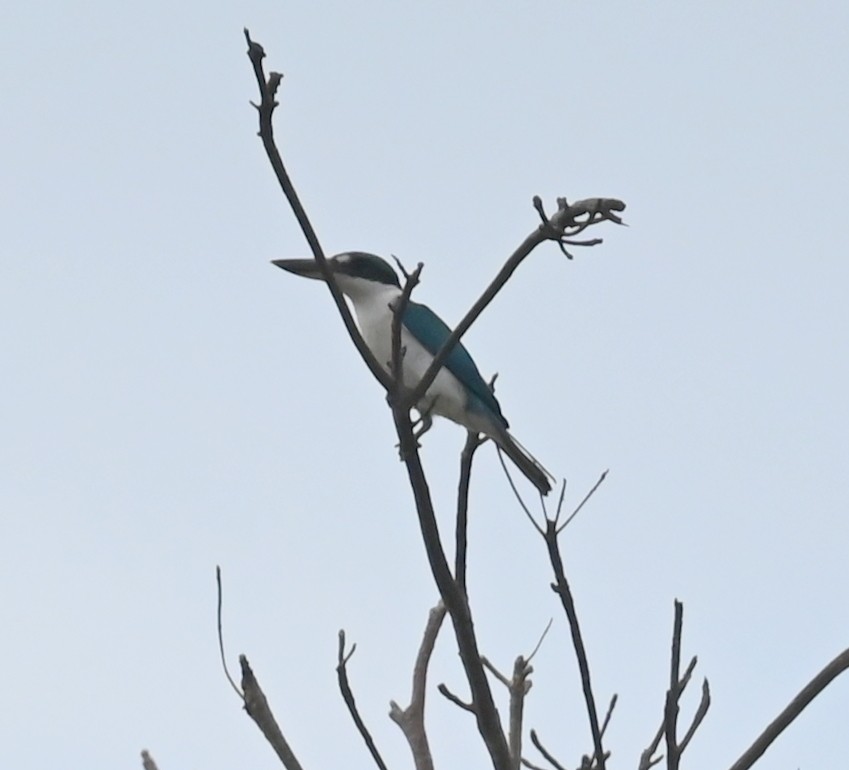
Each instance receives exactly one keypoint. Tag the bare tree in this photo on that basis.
(504, 743)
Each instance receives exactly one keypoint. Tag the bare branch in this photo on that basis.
(542, 750)
(541, 639)
(567, 223)
(258, 709)
(609, 714)
(561, 588)
(673, 694)
(401, 267)
(265, 109)
(701, 713)
(486, 713)
(531, 765)
(411, 719)
(485, 710)
(646, 760)
(581, 504)
(147, 761)
(470, 707)
(793, 709)
(473, 441)
(518, 256)
(398, 310)
(596, 210)
(517, 495)
(487, 664)
(221, 635)
(348, 696)
(519, 686)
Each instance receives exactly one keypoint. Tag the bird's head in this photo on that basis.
(356, 272)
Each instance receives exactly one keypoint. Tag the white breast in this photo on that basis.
(445, 397)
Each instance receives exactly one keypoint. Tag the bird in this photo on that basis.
(458, 392)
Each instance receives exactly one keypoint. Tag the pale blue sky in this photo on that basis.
(163, 407)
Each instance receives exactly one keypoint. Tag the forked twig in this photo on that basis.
(342, 659)
(411, 719)
(581, 504)
(677, 685)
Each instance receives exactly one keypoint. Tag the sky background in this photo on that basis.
(169, 401)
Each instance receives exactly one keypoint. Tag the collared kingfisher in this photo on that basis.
(458, 392)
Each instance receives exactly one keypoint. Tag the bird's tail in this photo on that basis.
(525, 462)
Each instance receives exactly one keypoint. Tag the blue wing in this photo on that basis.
(429, 329)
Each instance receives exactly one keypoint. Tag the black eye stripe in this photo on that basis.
(367, 266)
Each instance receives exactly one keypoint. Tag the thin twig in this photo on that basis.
(792, 710)
(258, 709)
(221, 635)
(348, 696)
(541, 640)
(545, 752)
(487, 664)
(564, 592)
(527, 763)
(698, 718)
(473, 441)
(265, 109)
(455, 699)
(517, 495)
(609, 714)
(411, 719)
(583, 502)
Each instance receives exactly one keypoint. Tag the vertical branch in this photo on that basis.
(486, 713)
(411, 719)
(472, 443)
(673, 695)
(561, 588)
(519, 686)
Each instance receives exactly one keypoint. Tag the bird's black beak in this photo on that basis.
(307, 268)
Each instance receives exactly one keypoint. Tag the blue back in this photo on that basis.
(429, 329)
